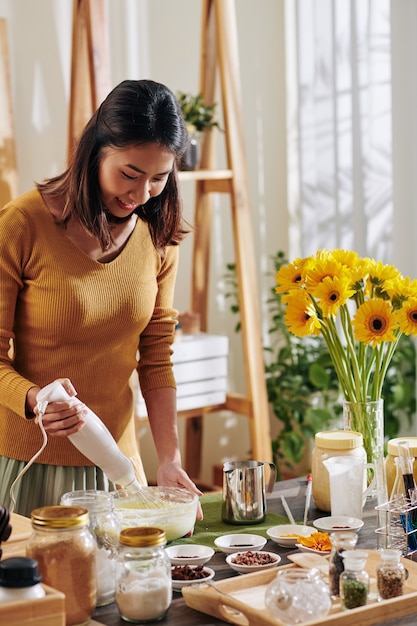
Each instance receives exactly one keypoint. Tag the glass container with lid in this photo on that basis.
(328, 444)
(390, 575)
(64, 548)
(105, 528)
(143, 575)
(341, 541)
(298, 595)
(354, 580)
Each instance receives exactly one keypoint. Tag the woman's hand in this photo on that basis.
(61, 419)
(173, 475)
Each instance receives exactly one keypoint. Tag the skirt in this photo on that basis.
(43, 485)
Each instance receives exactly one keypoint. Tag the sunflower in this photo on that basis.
(375, 322)
(407, 317)
(331, 293)
(288, 277)
(316, 270)
(300, 316)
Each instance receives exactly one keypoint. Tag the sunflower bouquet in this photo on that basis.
(361, 308)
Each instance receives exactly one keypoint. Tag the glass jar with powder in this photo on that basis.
(143, 575)
(64, 548)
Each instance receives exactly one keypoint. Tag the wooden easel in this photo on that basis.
(8, 168)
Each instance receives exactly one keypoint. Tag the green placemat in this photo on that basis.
(206, 531)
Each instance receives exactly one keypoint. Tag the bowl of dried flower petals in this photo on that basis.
(318, 542)
(252, 561)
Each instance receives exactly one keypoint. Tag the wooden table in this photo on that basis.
(180, 614)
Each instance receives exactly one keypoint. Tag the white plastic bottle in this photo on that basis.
(20, 580)
(95, 441)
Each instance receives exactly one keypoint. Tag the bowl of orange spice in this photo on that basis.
(287, 535)
(317, 542)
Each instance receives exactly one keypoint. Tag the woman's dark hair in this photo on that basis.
(135, 112)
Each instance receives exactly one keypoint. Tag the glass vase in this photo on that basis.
(367, 418)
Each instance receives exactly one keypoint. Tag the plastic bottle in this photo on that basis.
(96, 442)
(20, 580)
(328, 444)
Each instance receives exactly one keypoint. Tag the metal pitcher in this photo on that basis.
(244, 490)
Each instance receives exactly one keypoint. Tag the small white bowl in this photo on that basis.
(338, 523)
(311, 550)
(189, 554)
(247, 569)
(239, 541)
(177, 585)
(279, 534)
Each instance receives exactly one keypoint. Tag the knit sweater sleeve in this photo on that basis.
(15, 242)
(155, 348)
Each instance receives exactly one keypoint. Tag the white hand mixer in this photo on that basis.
(94, 441)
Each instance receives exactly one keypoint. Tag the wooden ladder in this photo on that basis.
(219, 57)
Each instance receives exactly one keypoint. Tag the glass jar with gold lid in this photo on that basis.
(328, 444)
(64, 548)
(143, 575)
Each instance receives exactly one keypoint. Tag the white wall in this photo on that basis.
(159, 39)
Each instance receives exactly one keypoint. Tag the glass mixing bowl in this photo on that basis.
(170, 508)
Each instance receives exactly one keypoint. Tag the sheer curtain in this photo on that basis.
(339, 128)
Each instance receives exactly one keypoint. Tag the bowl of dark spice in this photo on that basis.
(183, 575)
(191, 554)
(252, 561)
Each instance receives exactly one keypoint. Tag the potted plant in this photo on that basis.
(198, 117)
(302, 385)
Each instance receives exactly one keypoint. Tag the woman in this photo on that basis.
(88, 262)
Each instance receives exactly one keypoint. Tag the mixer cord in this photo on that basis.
(41, 411)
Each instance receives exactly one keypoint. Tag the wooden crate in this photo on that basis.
(47, 611)
(244, 603)
(16, 543)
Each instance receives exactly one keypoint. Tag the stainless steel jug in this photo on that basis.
(244, 491)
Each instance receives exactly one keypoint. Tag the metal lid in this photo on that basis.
(392, 445)
(60, 516)
(339, 439)
(140, 536)
(17, 572)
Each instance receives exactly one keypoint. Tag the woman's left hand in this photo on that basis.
(173, 475)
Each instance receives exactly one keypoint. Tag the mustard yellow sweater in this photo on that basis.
(70, 316)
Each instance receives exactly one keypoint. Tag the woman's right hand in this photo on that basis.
(63, 418)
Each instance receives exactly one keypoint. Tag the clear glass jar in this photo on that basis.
(354, 580)
(296, 596)
(64, 548)
(105, 528)
(390, 575)
(341, 541)
(326, 445)
(143, 575)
